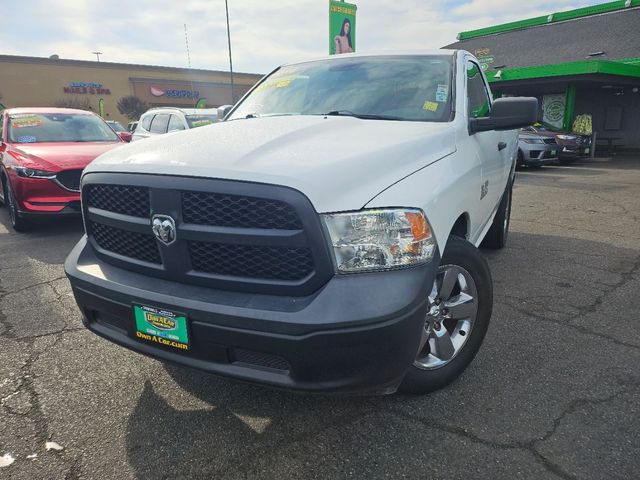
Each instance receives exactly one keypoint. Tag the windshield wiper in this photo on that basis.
(261, 115)
(365, 116)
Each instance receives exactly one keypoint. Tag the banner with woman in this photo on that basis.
(342, 27)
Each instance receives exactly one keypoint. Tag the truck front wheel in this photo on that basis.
(459, 310)
(496, 237)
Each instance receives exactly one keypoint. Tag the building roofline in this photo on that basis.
(617, 5)
(114, 65)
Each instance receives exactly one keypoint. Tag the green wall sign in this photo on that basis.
(342, 27)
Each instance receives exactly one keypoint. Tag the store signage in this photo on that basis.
(553, 109)
(486, 60)
(173, 93)
(86, 88)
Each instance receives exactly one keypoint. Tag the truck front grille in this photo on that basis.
(128, 244)
(228, 235)
(280, 263)
(237, 211)
(124, 199)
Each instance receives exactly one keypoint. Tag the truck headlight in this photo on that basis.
(380, 239)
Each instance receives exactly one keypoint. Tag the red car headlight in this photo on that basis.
(31, 173)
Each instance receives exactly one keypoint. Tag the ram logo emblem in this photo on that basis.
(164, 228)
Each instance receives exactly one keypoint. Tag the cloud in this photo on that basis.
(263, 34)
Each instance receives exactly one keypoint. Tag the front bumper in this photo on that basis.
(37, 196)
(539, 154)
(571, 150)
(358, 333)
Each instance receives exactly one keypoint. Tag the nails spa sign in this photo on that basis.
(87, 88)
(173, 93)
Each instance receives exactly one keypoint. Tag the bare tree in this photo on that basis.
(132, 107)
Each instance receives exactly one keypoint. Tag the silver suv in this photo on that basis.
(169, 119)
(536, 149)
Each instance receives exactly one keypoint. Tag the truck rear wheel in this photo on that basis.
(459, 310)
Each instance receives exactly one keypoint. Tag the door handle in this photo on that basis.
(501, 146)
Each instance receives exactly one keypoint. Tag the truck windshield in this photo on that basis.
(59, 127)
(413, 88)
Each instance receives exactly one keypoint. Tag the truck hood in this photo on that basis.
(339, 163)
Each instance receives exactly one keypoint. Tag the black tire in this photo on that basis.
(3, 200)
(496, 237)
(18, 223)
(520, 160)
(462, 254)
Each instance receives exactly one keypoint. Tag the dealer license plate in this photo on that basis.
(162, 327)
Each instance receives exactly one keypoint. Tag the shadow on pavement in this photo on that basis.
(534, 375)
(48, 240)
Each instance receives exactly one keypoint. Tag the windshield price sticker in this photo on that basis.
(430, 106)
(23, 122)
(162, 327)
(442, 93)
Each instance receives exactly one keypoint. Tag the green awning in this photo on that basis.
(582, 67)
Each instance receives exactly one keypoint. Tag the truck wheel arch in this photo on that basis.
(460, 227)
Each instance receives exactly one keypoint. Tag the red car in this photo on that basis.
(42, 154)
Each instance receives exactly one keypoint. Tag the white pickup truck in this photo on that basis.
(323, 237)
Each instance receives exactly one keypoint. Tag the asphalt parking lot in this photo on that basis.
(553, 393)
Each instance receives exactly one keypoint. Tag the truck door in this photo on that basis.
(487, 145)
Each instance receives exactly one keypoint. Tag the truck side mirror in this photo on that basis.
(507, 114)
(223, 110)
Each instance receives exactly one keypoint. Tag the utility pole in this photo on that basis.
(97, 54)
(186, 42)
(226, 6)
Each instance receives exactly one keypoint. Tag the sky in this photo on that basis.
(264, 33)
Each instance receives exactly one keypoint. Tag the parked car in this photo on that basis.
(324, 239)
(536, 149)
(131, 126)
(122, 132)
(42, 154)
(168, 119)
(570, 145)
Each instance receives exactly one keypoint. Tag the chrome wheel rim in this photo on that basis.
(451, 315)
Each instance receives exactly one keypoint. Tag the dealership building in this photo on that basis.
(44, 82)
(578, 62)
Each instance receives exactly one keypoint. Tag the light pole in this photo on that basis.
(97, 54)
(226, 6)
